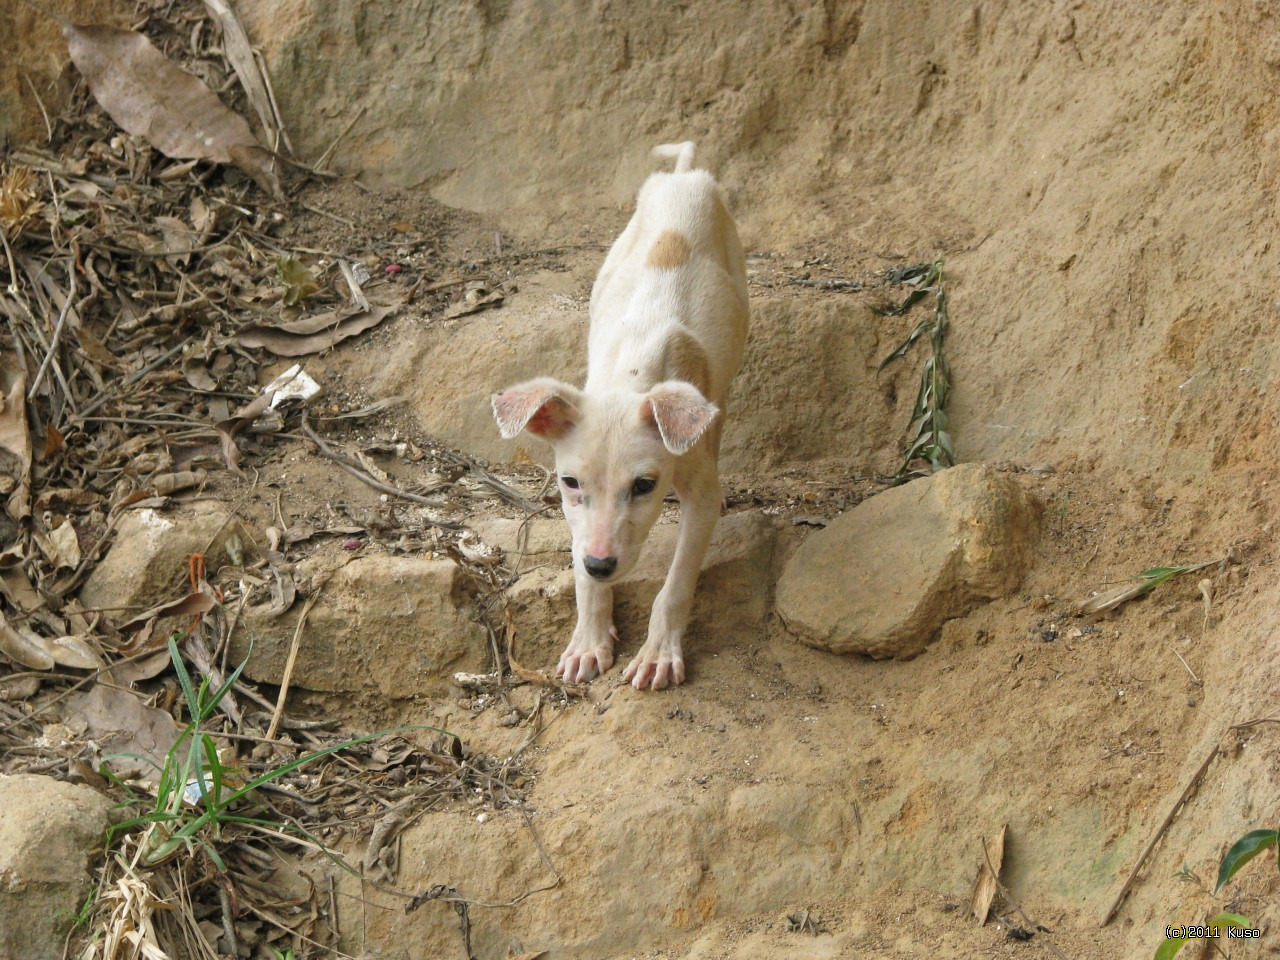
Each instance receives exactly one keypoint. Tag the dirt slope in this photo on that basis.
(1101, 179)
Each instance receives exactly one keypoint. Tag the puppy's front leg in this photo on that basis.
(591, 650)
(661, 659)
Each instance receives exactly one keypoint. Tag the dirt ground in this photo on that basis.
(1101, 179)
(1077, 732)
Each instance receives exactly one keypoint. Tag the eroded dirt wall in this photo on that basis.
(1100, 176)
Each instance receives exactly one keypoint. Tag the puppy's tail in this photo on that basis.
(682, 152)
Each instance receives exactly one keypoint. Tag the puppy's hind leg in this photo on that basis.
(590, 651)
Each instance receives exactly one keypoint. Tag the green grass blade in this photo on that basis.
(213, 813)
(1244, 850)
(228, 683)
(184, 678)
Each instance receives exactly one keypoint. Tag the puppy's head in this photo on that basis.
(615, 458)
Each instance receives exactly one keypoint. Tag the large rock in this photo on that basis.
(152, 551)
(884, 577)
(733, 599)
(394, 626)
(48, 831)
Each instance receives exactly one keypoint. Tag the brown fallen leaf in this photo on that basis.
(179, 239)
(23, 646)
(60, 545)
(15, 442)
(188, 606)
(122, 724)
(478, 297)
(127, 673)
(151, 97)
(229, 427)
(15, 586)
(53, 442)
(68, 496)
(75, 651)
(988, 880)
(312, 334)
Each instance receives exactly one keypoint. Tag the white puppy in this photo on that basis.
(668, 326)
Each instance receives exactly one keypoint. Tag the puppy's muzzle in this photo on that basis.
(600, 567)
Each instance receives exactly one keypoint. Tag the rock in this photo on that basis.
(734, 589)
(884, 577)
(544, 535)
(152, 550)
(541, 331)
(733, 598)
(542, 610)
(48, 831)
(394, 626)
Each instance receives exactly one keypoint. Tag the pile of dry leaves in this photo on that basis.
(147, 279)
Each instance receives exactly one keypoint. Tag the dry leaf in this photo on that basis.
(229, 427)
(129, 672)
(121, 723)
(313, 334)
(197, 374)
(23, 646)
(188, 606)
(478, 297)
(75, 651)
(53, 442)
(60, 546)
(16, 587)
(15, 443)
(150, 96)
(179, 239)
(1113, 598)
(236, 48)
(988, 881)
(68, 496)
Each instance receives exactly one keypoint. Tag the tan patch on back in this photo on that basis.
(684, 359)
(669, 251)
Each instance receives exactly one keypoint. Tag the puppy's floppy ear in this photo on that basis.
(545, 407)
(679, 413)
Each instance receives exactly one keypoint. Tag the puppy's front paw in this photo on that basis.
(659, 662)
(586, 656)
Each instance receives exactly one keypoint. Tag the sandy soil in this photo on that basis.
(1101, 180)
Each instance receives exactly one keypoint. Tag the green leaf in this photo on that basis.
(902, 348)
(1244, 850)
(1231, 920)
(1169, 948)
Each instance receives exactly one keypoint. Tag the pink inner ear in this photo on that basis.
(680, 417)
(550, 419)
(535, 409)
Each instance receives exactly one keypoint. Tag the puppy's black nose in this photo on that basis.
(600, 567)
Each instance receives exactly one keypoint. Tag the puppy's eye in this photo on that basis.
(642, 486)
(570, 482)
